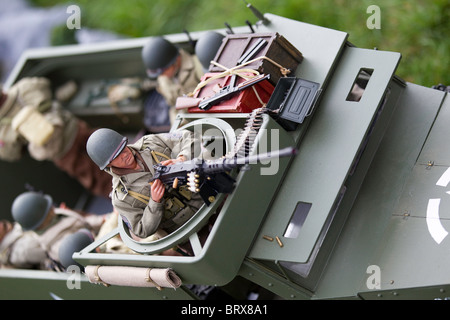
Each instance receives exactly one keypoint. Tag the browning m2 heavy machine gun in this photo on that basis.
(210, 177)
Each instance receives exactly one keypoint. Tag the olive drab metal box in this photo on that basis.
(293, 100)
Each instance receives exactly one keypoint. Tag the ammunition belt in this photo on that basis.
(174, 201)
(245, 141)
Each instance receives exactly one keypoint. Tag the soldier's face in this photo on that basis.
(124, 160)
(172, 70)
(5, 227)
(48, 219)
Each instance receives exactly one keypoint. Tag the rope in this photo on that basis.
(97, 277)
(241, 72)
(149, 279)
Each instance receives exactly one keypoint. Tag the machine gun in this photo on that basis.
(229, 91)
(224, 94)
(208, 178)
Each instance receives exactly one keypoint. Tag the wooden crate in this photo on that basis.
(278, 49)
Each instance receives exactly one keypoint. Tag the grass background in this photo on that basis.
(419, 29)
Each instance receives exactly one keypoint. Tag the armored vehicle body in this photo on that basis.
(359, 212)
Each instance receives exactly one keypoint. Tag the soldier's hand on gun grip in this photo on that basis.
(173, 161)
(157, 190)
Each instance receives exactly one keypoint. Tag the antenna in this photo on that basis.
(191, 41)
(257, 13)
(230, 30)
(250, 26)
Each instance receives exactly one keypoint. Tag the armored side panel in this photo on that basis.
(326, 175)
(411, 253)
(46, 285)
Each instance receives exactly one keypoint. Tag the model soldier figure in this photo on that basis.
(177, 71)
(143, 207)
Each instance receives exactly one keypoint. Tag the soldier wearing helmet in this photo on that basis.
(19, 248)
(35, 212)
(177, 72)
(145, 208)
(73, 243)
(207, 46)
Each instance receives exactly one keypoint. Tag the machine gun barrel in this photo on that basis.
(209, 178)
(227, 164)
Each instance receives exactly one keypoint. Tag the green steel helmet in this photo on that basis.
(30, 209)
(73, 243)
(157, 55)
(207, 46)
(104, 145)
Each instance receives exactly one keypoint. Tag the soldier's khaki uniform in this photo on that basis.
(64, 223)
(184, 82)
(115, 244)
(40, 249)
(65, 146)
(34, 92)
(21, 249)
(131, 194)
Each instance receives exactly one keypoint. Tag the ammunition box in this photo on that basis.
(294, 98)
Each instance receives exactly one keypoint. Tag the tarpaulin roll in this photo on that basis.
(133, 276)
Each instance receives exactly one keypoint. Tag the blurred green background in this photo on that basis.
(418, 29)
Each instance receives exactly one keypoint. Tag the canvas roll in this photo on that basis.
(133, 276)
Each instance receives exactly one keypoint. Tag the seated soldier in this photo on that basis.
(177, 71)
(35, 212)
(65, 146)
